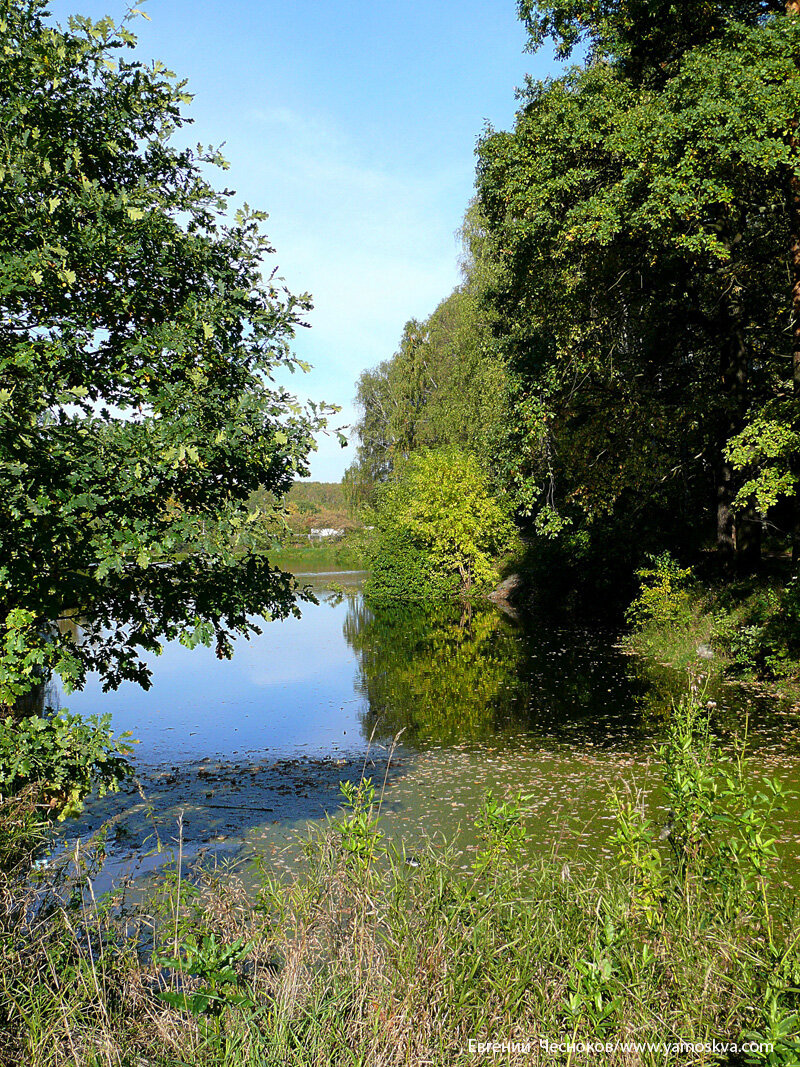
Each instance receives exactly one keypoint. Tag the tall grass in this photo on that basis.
(370, 956)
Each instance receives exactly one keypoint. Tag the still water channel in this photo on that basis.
(437, 705)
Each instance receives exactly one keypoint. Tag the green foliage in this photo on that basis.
(691, 771)
(639, 220)
(762, 635)
(218, 984)
(439, 672)
(720, 830)
(140, 336)
(640, 859)
(766, 450)
(499, 823)
(721, 834)
(439, 529)
(751, 624)
(665, 594)
(26, 660)
(317, 496)
(358, 487)
(401, 570)
(64, 757)
(357, 830)
(648, 40)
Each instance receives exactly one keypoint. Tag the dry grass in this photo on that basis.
(384, 966)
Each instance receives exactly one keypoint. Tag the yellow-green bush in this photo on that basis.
(665, 593)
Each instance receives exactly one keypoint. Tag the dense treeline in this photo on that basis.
(623, 355)
(445, 385)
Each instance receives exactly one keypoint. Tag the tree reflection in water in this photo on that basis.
(445, 673)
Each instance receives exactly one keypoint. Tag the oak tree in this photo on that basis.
(141, 329)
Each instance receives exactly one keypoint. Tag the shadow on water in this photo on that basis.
(450, 675)
(453, 674)
(561, 713)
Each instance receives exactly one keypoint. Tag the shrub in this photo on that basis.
(664, 598)
(439, 529)
(763, 636)
(402, 570)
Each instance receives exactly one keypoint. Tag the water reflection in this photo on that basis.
(446, 674)
(452, 674)
(246, 748)
(346, 673)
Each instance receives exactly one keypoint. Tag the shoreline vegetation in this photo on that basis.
(317, 529)
(743, 627)
(607, 405)
(374, 955)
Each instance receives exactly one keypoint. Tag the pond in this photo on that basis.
(436, 704)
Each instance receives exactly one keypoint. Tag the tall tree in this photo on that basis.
(139, 334)
(639, 212)
(444, 386)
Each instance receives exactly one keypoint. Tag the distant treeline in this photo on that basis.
(305, 506)
(328, 496)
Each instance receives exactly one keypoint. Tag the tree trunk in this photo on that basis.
(733, 374)
(748, 539)
(726, 534)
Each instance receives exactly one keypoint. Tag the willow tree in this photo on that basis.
(140, 331)
(641, 214)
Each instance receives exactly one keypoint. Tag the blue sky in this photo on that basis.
(354, 125)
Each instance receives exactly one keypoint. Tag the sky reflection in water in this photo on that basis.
(322, 685)
(244, 750)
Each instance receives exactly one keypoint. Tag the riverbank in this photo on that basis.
(466, 920)
(350, 551)
(369, 954)
(744, 626)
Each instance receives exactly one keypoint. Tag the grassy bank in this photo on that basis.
(348, 552)
(369, 956)
(747, 625)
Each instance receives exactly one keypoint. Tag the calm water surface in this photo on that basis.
(246, 752)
